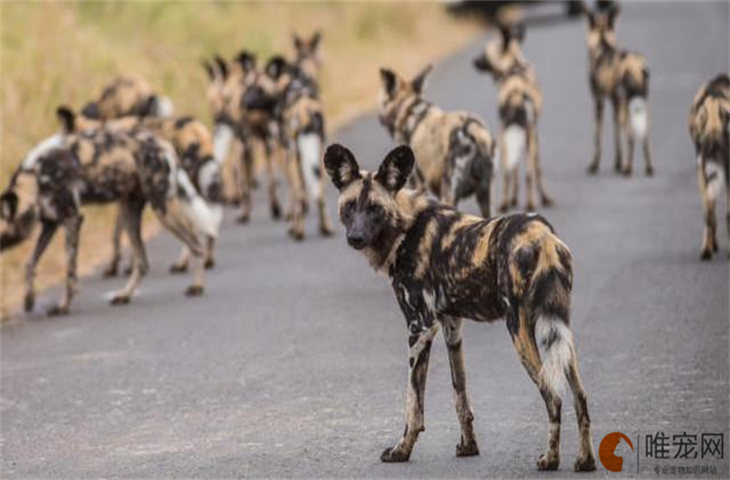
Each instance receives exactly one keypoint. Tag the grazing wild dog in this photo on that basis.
(243, 99)
(709, 127)
(301, 121)
(128, 95)
(454, 150)
(623, 77)
(194, 147)
(99, 167)
(519, 101)
(445, 266)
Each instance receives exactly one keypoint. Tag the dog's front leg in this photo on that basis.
(419, 351)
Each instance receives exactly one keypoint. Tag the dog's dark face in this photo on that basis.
(367, 205)
(499, 56)
(394, 90)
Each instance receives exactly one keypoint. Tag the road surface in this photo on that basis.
(294, 361)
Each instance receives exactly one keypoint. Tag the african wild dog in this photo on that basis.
(242, 99)
(128, 95)
(301, 121)
(194, 147)
(454, 150)
(445, 266)
(623, 77)
(709, 127)
(99, 167)
(519, 101)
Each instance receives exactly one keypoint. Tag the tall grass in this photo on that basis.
(55, 53)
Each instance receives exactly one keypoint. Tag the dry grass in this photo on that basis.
(62, 53)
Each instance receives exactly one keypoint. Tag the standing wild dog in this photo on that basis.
(623, 77)
(520, 102)
(445, 266)
(100, 167)
(454, 150)
(301, 119)
(709, 127)
(194, 147)
(128, 95)
(243, 99)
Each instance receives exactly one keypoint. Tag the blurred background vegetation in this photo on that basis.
(54, 53)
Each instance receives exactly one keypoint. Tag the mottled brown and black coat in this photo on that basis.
(519, 101)
(454, 150)
(709, 127)
(445, 266)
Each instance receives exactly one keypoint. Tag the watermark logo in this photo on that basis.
(607, 451)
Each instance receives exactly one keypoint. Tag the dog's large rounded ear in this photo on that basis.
(588, 13)
(518, 32)
(505, 34)
(612, 10)
(91, 110)
(8, 205)
(341, 165)
(67, 118)
(420, 80)
(246, 59)
(396, 168)
(222, 66)
(276, 66)
(389, 80)
(481, 63)
(315, 40)
(298, 42)
(209, 69)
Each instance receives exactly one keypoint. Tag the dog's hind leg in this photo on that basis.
(535, 159)
(452, 335)
(73, 229)
(418, 355)
(272, 149)
(598, 116)
(48, 228)
(113, 268)
(522, 329)
(181, 264)
(131, 213)
(586, 460)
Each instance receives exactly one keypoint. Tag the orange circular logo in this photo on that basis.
(608, 447)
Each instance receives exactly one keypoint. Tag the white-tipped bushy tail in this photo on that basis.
(515, 139)
(310, 151)
(638, 117)
(195, 208)
(555, 341)
(164, 107)
(222, 140)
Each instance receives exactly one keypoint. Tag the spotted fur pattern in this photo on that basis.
(445, 266)
(519, 101)
(454, 150)
(709, 127)
(127, 95)
(623, 77)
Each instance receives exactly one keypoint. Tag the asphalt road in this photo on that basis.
(294, 362)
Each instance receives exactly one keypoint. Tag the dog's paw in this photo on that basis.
(119, 299)
(56, 311)
(296, 234)
(587, 464)
(175, 268)
(548, 462)
(29, 301)
(209, 263)
(194, 291)
(394, 454)
(467, 449)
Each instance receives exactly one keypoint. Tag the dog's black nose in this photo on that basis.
(356, 240)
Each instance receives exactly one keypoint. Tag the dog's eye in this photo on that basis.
(347, 209)
(375, 210)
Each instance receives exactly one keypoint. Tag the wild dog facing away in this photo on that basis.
(242, 99)
(709, 127)
(623, 77)
(301, 119)
(194, 147)
(445, 266)
(454, 150)
(99, 167)
(519, 101)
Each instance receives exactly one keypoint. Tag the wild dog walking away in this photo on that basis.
(709, 127)
(445, 266)
(97, 167)
(623, 77)
(194, 147)
(454, 150)
(301, 119)
(519, 102)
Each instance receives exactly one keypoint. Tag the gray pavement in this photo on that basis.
(294, 362)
